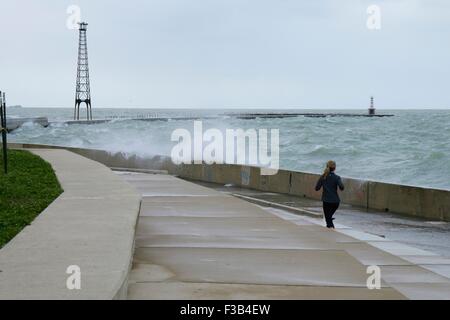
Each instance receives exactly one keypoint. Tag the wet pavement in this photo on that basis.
(428, 235)
(194, 242)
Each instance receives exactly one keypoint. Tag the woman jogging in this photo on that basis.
(330, 182)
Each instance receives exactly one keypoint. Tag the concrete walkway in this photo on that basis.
(429, 235)
(91, 225)
(193, 242)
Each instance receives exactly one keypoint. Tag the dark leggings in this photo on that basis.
(329, 209)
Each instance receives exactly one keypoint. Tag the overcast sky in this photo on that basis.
(229, 53)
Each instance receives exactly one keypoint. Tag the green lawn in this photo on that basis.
(28, 188)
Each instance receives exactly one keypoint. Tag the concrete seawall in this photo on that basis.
(414, 201)
(91, 225)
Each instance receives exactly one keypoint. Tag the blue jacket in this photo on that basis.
(330, 185)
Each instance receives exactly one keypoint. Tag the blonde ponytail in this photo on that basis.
(331, 165)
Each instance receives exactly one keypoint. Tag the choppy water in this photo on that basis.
(411, 148)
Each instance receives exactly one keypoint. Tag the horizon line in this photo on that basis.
(239, 107)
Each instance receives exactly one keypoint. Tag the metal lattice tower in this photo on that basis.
(83, 90)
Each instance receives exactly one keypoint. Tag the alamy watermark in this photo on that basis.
(374, 280)
(73, 281)
(374, 17)
(74, 17)
(236, 146)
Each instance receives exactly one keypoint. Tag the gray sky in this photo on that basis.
(229, 53)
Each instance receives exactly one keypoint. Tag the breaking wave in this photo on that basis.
(411, 148)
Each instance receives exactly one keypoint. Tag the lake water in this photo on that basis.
(413, 147)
